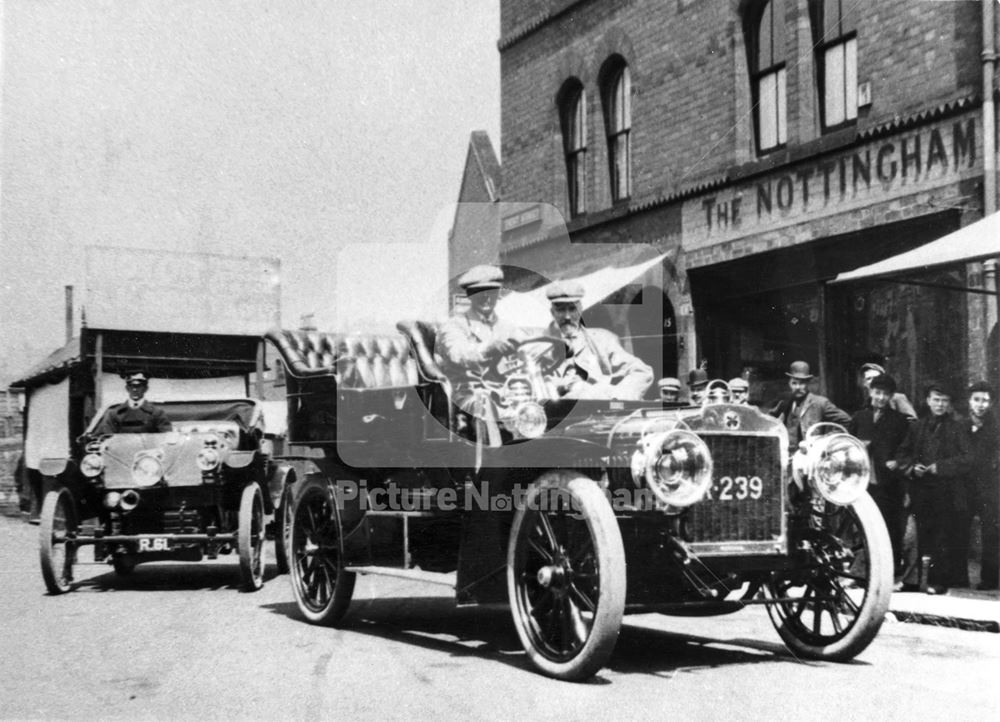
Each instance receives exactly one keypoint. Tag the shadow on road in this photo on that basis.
(435, 623)
(172, 577)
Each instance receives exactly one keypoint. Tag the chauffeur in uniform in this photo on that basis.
(670, 389)
(136, 415)
(801, 409)
(739, 391)
(597, 366)
(468, 342)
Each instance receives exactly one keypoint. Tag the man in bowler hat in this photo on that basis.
(801, 409)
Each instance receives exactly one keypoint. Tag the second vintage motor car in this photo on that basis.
(573, 512)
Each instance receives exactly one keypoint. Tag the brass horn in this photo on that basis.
(129, 500)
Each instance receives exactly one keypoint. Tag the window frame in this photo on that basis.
(777, 69)
(573, 122)
(822, 45)
(617, 98)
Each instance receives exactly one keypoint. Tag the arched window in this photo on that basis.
(834, 31)
(768, 75)
(573, 116)
(617, 87)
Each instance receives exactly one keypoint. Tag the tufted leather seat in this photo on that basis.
(355, 361)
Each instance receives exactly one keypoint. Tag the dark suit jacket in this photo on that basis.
(123, 419)
(985, 459)
(943, 441)
(885, 437)
(813, 409)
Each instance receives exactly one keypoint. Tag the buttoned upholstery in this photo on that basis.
(355, 361)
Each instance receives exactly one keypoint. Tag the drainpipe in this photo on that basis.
(990, 158)
(989, 110)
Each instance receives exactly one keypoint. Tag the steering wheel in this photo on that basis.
(546, 363)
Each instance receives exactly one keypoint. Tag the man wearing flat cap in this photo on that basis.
(670, 390)
(801, 409)
(739, 391)
(883, 429)
(469, 341)
(936, 458)
(898, 402)
(135, 415)
(597, 367)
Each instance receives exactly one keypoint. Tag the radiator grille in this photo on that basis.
(722, 519)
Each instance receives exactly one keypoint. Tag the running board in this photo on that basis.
(417, 575)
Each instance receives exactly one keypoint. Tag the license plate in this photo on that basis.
(736, 488)
(154, 544)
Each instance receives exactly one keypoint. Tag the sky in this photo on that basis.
(329, 135)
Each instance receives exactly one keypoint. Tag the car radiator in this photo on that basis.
(736, 511)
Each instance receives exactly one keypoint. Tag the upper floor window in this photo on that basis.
(617, 91)
(573, 116)
(834, 29)
(768, 75)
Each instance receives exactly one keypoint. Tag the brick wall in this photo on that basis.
(690, 89)
(10, 454)
(11, 430)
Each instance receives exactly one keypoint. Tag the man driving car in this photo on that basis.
(469, 342)
(135, 415)
(597, 367)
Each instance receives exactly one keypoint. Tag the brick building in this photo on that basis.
(765, 147)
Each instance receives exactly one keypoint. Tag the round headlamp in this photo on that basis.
(111, 499)
(146, 470)
(208, 459)
(839, 468)
(677, 467)
(91, 465)
(530, 420)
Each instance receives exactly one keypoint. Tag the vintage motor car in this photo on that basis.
(198, 490)
(573, 512)
(136, 498)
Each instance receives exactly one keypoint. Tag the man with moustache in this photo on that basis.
(802, 409)
(596, 367)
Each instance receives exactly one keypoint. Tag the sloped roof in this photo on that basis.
(55, 364)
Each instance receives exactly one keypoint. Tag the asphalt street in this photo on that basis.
(181, 641)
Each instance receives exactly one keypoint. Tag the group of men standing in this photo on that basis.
(942, 468)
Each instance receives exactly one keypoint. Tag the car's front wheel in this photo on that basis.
(250, 538)
(566, 576)
(322, 586)
(57, 528)
(833, 608)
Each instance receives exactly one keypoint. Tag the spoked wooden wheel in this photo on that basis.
(57, 528)
(322, 588)
(283, 529)
(250, 538)
(835, 607)
(566, 576)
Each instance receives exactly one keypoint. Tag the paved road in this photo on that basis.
(182, 642)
